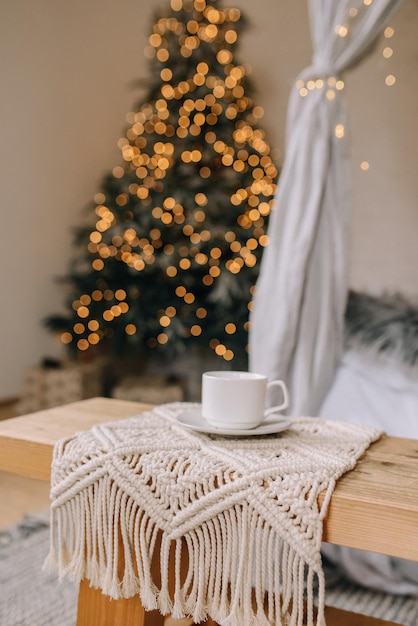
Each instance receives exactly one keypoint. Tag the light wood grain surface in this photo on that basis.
(374, 507)
(27, 442)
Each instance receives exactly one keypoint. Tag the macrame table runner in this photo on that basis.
(241, 514)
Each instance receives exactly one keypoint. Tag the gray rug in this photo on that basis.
(29, 597)
(349, 596)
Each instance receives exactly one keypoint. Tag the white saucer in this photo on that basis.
(193, 420)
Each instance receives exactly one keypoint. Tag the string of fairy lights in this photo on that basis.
(152, 160)
(333, 85)
(387, 52)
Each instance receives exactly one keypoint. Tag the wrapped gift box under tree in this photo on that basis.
(152, 389)
(54, 383)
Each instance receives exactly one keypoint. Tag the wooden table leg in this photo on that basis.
(339, 617)
(169, 621)
(96, 609)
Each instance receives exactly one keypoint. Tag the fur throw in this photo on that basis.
(384, 327)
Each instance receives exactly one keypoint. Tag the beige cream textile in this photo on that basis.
(246, 509)
(297, 323)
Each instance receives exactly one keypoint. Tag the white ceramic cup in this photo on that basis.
(237, 400)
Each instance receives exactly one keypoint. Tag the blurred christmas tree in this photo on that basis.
(172, 258)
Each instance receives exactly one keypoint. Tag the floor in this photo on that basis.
(19, 495)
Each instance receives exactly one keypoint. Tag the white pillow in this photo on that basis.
(376, 393)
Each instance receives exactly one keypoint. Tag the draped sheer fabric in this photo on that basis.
(297, 321)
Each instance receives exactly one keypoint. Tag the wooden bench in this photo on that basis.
(374, 507)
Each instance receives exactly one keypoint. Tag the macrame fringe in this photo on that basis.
(100, 533)
(198, 526)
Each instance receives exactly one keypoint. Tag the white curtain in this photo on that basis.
(297, 321)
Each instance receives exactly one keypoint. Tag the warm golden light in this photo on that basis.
(184, 264)
(166, 74)
(189, 298)
(162, 338)
(341, 30)
(118, 172)
(216, 253)
(165, 320)
(99, 198)
(93, 339)
(339, 131)
(231, 36)
(207, 280)
(171, 271)
(66, 338)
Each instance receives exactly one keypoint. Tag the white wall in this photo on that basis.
(384, 131)
(65, 73)
(65, 76)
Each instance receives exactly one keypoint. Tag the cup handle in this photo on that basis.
(285, 403)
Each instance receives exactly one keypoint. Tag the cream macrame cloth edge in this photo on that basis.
(100, 522)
